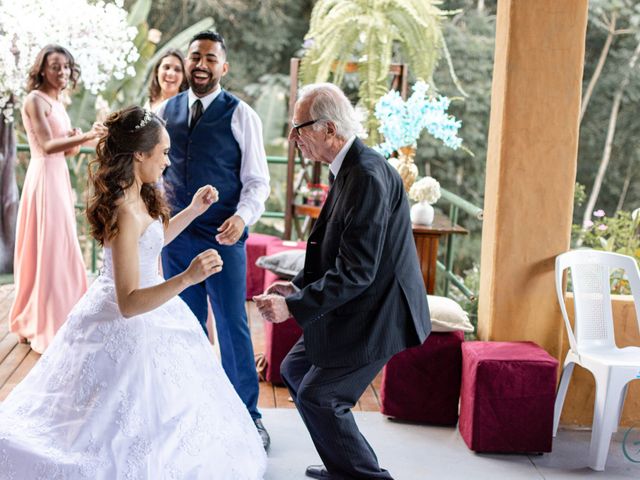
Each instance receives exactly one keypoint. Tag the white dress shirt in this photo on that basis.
(254, 172)
(337, 162)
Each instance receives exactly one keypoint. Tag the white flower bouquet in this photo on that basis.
(426, 189)
(96, 33)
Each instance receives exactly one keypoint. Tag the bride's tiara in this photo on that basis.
(145, 119)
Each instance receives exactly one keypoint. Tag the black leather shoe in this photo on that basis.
(264, 435)
(317, 471)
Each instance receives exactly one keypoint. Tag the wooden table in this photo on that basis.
(310, 214)
(312, 211)
(427, 240)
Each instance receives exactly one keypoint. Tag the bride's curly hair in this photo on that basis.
(132, 129)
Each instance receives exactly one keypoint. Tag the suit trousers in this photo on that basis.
(324, 398)
(227, 293)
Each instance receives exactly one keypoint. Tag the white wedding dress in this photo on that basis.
(138, 398)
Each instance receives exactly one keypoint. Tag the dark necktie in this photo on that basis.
(332, 177)
(196, 113)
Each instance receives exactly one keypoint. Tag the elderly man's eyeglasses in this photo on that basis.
(302, 125)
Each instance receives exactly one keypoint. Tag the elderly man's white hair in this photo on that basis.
(329, 103)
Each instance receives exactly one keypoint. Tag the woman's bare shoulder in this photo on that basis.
(128, 220)
(133, 217)
(37, 101)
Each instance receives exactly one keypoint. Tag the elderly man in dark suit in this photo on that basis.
(360, 298)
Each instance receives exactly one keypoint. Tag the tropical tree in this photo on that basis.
(373, 33)
(611, 130)
(620, 19)
(605, 15)
(261, 36)
(470, 37)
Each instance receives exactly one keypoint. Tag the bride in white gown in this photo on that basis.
(130, 387)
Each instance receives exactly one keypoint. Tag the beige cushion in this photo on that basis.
(447, 315)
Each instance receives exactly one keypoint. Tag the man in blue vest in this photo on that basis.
(216, 139)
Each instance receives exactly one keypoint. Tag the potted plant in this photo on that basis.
(374, 34)
(425, 192)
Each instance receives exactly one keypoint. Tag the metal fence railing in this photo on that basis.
(456, 205)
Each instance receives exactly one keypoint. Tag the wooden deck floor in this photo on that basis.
(17, 359)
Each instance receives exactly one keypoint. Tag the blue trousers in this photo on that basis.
(227, 293)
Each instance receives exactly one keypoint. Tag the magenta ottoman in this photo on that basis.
(256, 245)
(280, 337)
(507, 396)
(422, 384)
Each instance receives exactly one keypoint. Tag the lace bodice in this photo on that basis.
(149, 246)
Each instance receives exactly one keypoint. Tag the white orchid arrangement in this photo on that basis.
(96, 33)
(402, 121)
(427, 189)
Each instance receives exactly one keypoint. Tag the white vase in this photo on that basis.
(422, 213)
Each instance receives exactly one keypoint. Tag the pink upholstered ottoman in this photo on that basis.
(256, 245)
(507, 397)
(279, 338)
(422, 384)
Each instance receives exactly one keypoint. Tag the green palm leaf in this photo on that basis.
(370, 32)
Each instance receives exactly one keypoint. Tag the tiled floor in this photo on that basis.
(409, 452)
(418, 452)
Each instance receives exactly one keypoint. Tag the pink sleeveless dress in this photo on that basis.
(49, 271)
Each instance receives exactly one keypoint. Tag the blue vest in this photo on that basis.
(207, 155)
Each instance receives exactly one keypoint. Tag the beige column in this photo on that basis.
(531, 167)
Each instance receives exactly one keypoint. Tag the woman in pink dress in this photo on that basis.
(49, 271)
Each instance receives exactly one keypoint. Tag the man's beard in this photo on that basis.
(202, 89)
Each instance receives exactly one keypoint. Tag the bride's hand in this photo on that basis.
(203, 199)
(203, 266)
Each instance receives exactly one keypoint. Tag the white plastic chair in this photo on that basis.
(593, 345)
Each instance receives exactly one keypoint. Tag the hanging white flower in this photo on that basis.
(97, 35)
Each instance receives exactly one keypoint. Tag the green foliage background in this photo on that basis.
(262, 36)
